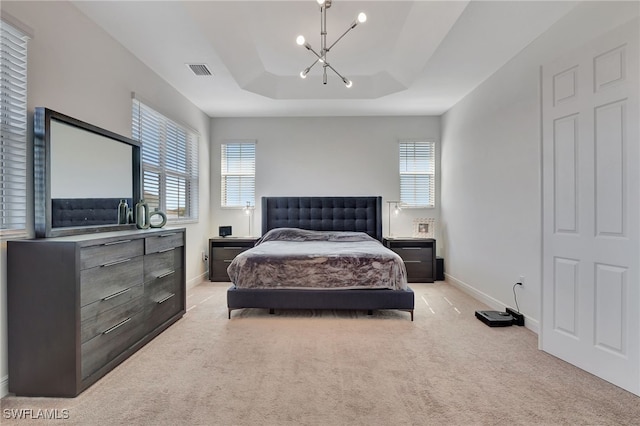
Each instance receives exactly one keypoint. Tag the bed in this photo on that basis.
(359, 222)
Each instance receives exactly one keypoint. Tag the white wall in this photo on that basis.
(491, 162)
(76, 68)
(320, 156)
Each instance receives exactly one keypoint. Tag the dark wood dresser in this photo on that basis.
(222, 251)
(80, 305)
(419, 255)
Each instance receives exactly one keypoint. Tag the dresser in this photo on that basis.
(419, 256)
(80, 305)
(222, 251)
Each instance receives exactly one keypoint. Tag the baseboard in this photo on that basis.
(4, 386)
(197, 280)
(493, 303)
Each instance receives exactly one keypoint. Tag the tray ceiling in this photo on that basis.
(409, 58)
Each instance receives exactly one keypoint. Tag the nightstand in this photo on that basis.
(222, 251)
(419, 255)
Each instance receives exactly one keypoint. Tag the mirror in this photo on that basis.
(81, 175)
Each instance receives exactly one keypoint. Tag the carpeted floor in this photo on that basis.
(339, 368)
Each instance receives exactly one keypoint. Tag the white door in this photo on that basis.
(591, 215)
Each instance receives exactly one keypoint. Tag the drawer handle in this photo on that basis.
(166, 274)
(118, 325)
(228, 260)
(166, 298)
(168, 235)
(167, 250)
(116, 294)
(412, 261)
(411, 248)
(233, 248)
(116, 242)
(117, 262)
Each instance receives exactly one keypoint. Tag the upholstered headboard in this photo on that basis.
(67, 212)
(362, 214)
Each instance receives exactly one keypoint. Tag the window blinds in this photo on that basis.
(417, 174)
(13, 132)
(169, 163)
(238, 173)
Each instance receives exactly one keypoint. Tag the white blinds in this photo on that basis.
(417, 174)
(238, 173)
(13, 132)
(169, 163)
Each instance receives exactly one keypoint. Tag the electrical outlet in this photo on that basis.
(521, 280)
(205, 257)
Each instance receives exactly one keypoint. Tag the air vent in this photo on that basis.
(199, 69)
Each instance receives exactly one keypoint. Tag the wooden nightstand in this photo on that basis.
(419, 255)
(222, 251)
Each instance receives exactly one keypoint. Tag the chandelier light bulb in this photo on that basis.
(348, 83)
(300, 40)
(320, 2)
(362, 17)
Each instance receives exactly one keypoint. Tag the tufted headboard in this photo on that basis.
(67, 212)
(362, 214)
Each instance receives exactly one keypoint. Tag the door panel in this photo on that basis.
(591, 215)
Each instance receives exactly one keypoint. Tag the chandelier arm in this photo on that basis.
(340, 38)
(314, 52)
(334, 70)
(311, 66)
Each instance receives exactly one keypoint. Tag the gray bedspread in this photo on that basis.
(299, 259)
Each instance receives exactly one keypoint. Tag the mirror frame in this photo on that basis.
(42, 173)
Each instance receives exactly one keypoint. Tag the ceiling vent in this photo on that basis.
(200, 69)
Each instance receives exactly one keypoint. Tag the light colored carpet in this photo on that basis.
(340, 368)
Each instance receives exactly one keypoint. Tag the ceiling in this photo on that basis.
(408, 58)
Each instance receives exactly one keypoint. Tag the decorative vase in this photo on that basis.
(142, 215)
(123, 212)
(163, 222)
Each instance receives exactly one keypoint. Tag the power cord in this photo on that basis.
(515, 296)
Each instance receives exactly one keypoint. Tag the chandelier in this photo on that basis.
(322, 56)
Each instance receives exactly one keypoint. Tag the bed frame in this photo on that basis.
(362, 214)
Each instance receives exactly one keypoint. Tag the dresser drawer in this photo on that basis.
(156, 289)
(413, 253)
(226, 253)
(101, 315)
(110, 278)
(419, 271)
(112, 251)
(163, 298)
(163, 242)
(218, 270)
(111, 342)
(160, 263)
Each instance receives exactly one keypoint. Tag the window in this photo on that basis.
(417, 174)
(238, 173)
(169, 163)
(13, 132)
